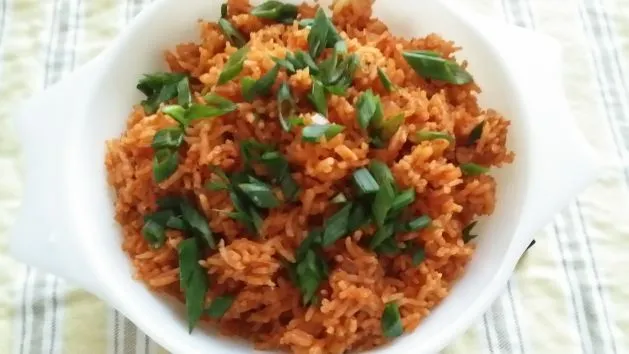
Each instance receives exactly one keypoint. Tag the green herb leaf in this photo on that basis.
(220, 102)
(310, 272)
(365, 109)
(383, 233)
(381, 172)
(233, 66)
(276, 10)
(170, 138)
(199, 111)
(184, 98)
(154, 233)
(246, 88)
(386, 82)
(177, 112)
(224, 10)
(165, 163)
(357, 218)
(340, 47)
(263, 86)
(365, 182)
(382, 203)
(318, 99)
(219, 306)
(278, 166)
(418, 254)
(306, 22)
(336, 226)
(421, 222)
(391, 322)
(476, 133)
(304, 60)
(260, 194)
(158, 88)
(472, 169)
(286, 106)
(314, 238)
(314, 132)
(430, 135)
(169, 202)
(431, 65)
(339, 199)
(193, 280)
(390, 126)
(233, 35)
(402, 200)
(177, 223)
(318, 36)
(198, 224)
(285, 63)
(216, 186)
(467, 232)
(388, 247)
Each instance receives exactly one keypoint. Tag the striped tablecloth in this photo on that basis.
(570, 293)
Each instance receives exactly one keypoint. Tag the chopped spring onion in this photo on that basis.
(263, 86)
(339, 199)
(476, 133)
(165, 162)
(418, 254)
(177, 113)
(233, 35)
(383, 233)
(390, 126)
(233, 66)
(431, 135)
(382, 203)
(317, 97)
(170, 138)
(336, 226)
(391, 322)
(286, 106)
(199, 111)
(161, 87)
(365, 182)
(402, 200)
(310, 272)
(420, 223)
(285, 63)
(366, 107)
(220, 102)
(224, 10)
(260, 194)
(319, 32)
(314, 132)
(431, 65)
(386, 82)
(193, 280)
(198, 224)
(380, 172)
(467, 232)
(278, 166)
(276, 10)
(219, 306)
(246, 88)
(184, 98)
(154, 233)
(472, 169)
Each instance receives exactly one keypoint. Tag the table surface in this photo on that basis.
(570, 293)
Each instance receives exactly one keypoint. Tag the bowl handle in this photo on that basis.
(42, 235)
(565, 163)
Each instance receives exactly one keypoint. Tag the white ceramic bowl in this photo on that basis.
(66, 224)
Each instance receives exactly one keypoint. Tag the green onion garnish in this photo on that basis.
(431, 65)
(193, 280)
(199, 111)
(420, 223)
(276, 10)
(285, 63)
(418, 254)
(198, 224)
(336, 226)
(383, 233)
(154, 233)
(219, 306)
(246, 88)
(220, 102)
(165, 163)
(358, 217)
(431, 135)
(260, 194)
(476, 133)
(366, 107)
(402, 200)
(263, 86)
(382, 203)
(170, 138)
(386, 82)
(472, 169)
(184, 98)
(391, 323)
(317, 97)
(390, 126)
(161, 87)
(310, 272)
(286, 106)
(177, 113)
(233, 35)
(380, 172)
(314, 132)
(339, 199)
(233, 66)
(318, 36)
(224, 10)
(365, 182)
(467, 232)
